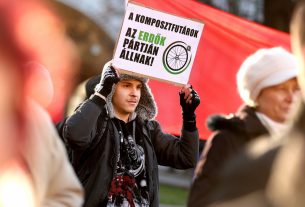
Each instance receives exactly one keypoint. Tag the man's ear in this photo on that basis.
(39, 84)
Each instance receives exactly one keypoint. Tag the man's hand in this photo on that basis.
(189, 101)
(110, 77)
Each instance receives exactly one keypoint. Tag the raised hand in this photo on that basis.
(108, 78)
(189, 101)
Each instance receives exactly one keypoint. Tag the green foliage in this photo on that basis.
(173, 195)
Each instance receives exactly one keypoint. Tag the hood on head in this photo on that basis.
(146, 108)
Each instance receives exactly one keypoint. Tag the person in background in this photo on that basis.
(117, 145)
(267, 84)
(53, 176)
(34, 169)
(278, 164)
(288, 190)
(40, 163)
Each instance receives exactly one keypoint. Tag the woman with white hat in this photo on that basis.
(267, 84)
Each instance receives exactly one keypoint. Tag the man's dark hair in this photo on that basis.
(90, 85)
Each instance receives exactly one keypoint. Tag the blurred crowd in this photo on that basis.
(37, 65)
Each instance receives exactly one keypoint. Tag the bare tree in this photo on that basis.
(278, 13)
(272, 13)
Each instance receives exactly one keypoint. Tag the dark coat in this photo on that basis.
(95, 142)
(265, 174)
(230, 135)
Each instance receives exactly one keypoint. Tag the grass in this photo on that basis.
(173, 195)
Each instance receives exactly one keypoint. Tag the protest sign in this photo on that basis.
(157, 44)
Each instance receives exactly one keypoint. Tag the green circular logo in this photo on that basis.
(177, 57)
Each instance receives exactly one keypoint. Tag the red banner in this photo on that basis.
(226, 41)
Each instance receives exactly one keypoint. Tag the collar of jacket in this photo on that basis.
(243, 121)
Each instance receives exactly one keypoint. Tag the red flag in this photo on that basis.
(226, 41)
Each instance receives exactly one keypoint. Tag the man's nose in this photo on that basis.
(134, 91)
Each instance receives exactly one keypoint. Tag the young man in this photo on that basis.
(117, 145)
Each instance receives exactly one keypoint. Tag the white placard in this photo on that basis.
(157, 44)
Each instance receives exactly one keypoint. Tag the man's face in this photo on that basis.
(276, 101)
(126, 97)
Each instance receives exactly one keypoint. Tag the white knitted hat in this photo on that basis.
(264, 68)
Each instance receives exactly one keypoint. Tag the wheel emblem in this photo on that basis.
(177, 57)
